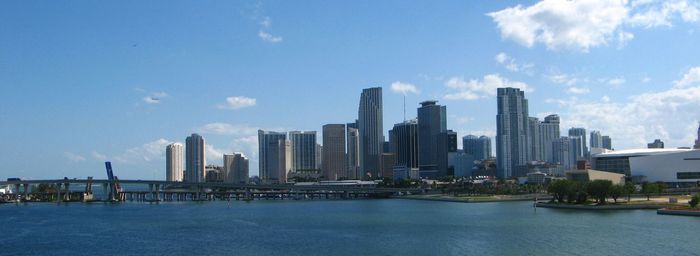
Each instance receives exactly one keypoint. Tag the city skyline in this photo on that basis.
(64, 101)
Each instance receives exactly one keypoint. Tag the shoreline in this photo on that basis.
(472, 200)
(601, 207)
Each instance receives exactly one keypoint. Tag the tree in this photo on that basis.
(599, 189)
(558, 189)
(616, 191)
(650, 188)
(694, 201)
(629, 188)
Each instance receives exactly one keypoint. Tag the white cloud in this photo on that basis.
(155, 98)
(98, 156)
(578, 90)
(692, 77)
(460, 89)
(238, 102)
(512, 65)
(73, 157)
(267, 37)
(562, 78)
(214, 154)
(404, 88)
(646, 79)
(562, 24)
(266, 22)
(669, 115)
(616, 81)
(154, 150)
(584, 24)
(227, 129)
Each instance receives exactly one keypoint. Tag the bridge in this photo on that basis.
(159, 190)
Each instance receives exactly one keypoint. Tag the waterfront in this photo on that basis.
(343, 227)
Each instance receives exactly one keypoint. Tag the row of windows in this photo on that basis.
(687, 175)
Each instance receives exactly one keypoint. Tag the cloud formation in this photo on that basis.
(155, 98)
(404, 88)
(227, 129)
(460, 89)
(511, 64)
(154, 150)
(238, 102)
(263, 33)
(74, 157)
(584, 24)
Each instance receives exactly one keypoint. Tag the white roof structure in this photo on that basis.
(640, 152)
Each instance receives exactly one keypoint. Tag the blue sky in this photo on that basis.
(83, 82)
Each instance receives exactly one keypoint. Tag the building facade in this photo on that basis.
(536, 151)
(596, 140)
(479, 147)
(404, 141)
(303, 150)
(607, 143)
(656, 144)
(561, 150)
(173, 162)
(333, 159)
(549, 131)
(195, 159)
(581, 133)
(353, 151)
(272, 151)
(370, 126)
(432, 122)
(236, 168)
(511, 131)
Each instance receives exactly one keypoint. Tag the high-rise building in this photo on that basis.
(656, 144)
(479, 147)
(272, 151)
(462, 163)
(577, 149)
(371, 131)
(319, 156)
(536, 153)
(353, 151)
(195, 160)
(607, 142)
(236, 168)
(561, 150)
(549, 131)
(333, 160)
(596, 140)
(303, 150)
(432, 121)
(173, 162)
(580, 132)
(388, 160)
(447, 145)
(697, 142)
(511, 131)
(404, 141)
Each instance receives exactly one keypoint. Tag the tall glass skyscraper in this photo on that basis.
(404, 142)
(580, 132)
(173, 162)
(272, 156)
(196, 158)
(333, 160)
(371, 131)
(303, 150)
(549, 131)
(432, 121)
(536, 153)
(353, 151)
(511, 131)
(607, 142)
(478, 147)
(596, 140)
(561, 150)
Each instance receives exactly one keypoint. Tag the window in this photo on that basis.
(687, 175)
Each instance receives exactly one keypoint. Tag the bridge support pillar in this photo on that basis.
(26, 191)
(157, 192)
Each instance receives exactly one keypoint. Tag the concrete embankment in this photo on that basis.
(601, 207)
(473, 200)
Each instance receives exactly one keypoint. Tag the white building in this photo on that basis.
(652, 165)
(173, 162)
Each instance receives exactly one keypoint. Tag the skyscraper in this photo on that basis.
(511, 131)
(607, 142)
(536, 153)
(173, 162)
(353, 151)
(577, 149)
(596, 140)
(196, 160)
(333, 159)
(580, 132)
(371, 131)
(697, 142)
(561, 150)
(549, 131)
(432, 121)
(303, 150)
(272, 161)
(478, 147)
(404, 141)
(236, 168)
(319, 156)
(656, 144)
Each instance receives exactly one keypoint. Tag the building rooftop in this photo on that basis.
(640, 152)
